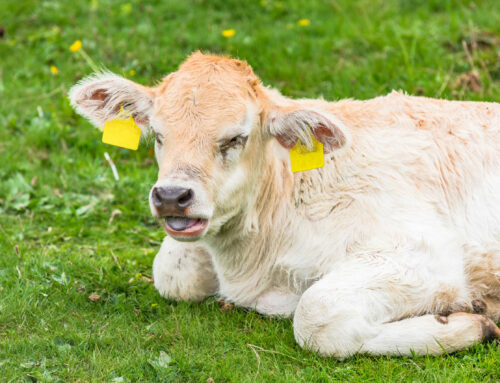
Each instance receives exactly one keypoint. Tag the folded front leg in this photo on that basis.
(184, 271)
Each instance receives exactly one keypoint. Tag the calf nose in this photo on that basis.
(172, 200)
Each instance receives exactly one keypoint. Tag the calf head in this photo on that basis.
(214, 126)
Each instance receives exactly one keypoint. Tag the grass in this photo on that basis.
(58, 244)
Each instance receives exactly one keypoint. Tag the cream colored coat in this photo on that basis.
(392, 247)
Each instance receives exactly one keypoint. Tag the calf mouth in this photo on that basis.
(185, 227)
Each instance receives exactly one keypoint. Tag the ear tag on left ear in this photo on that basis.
(301, 158)
(122, 131)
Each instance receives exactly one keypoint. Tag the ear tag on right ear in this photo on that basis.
(122, 131)
(301, 158)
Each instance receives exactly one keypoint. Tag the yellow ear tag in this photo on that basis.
(301, 158)
(122, 131)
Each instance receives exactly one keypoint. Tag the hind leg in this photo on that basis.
(360, 307)
(432, 334)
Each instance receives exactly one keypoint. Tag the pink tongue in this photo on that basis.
(180, 223)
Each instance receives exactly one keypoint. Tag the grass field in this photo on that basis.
(69, 231)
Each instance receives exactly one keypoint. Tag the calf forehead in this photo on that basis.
(206, 99)
(200, 108)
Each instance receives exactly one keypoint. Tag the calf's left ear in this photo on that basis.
(100, 96)
(290, 126)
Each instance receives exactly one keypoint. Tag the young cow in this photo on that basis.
(392, 247)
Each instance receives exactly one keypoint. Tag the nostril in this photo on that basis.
(185, 199)
(157, 200)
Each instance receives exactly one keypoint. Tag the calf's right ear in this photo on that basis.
(100, 96)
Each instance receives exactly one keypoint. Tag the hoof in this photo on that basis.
(490, 330)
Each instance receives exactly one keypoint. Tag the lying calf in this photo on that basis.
(392, 246)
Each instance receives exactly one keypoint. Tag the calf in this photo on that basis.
(392, 247)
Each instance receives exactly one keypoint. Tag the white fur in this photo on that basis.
(183, 271)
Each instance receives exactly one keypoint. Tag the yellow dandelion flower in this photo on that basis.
(304, 22)
(54, 70)
(76, 46)
(131, 72)
(154, 304)
(228, 33)
(126, 8)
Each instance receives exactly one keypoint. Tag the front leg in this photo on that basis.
(184, 271)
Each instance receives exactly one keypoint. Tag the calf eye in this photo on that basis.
(233, 142)
(159, 139)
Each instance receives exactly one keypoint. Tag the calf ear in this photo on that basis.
(290, 126)
(100, 96)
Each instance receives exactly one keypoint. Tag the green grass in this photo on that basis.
(57, 192)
